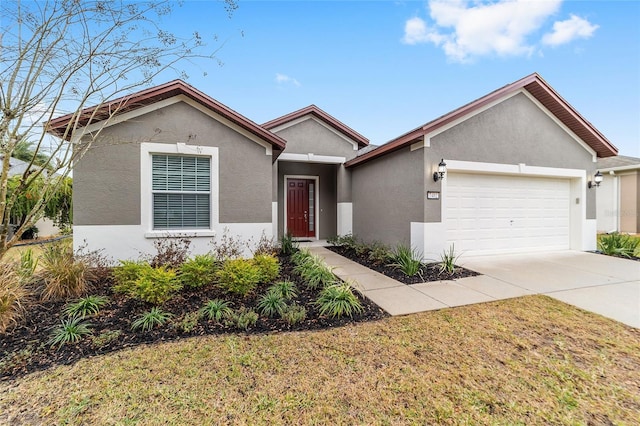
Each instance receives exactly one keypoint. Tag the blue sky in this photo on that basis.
(385, 67)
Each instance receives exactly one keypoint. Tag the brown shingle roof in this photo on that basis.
(538, 88)
(618, 161)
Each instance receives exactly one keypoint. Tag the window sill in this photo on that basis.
(182, 233)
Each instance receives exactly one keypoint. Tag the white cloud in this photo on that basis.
(468, 29)
(285, 79)
(569, 30)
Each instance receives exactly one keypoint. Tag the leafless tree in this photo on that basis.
(61, 56)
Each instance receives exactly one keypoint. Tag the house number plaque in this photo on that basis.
(433, 195)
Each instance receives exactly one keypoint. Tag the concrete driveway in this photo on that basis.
(605, 285)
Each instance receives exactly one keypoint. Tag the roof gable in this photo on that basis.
(129, 103)
(536, 87)
(327, 119)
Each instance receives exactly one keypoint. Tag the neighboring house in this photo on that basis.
(46, 227)
(619, 195)
(176, 162)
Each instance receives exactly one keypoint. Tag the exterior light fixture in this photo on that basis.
(442, 169)
(597, 180)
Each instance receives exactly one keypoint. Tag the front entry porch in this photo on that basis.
(313, 200)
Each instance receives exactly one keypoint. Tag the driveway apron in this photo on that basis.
(605, 285)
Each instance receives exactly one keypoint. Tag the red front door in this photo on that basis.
(301, 207)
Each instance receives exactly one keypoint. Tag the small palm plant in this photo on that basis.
(216, 310)
(448, 260)
(85, 306)
(272, 303)
(338, 300)
(151, 319)
(70, 330)
(407, 259)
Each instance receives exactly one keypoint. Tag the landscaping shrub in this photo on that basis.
(85, 307)
(379, 254)
(127, 273)
(286, 288)
(143, 282)
(239, 276)
(70, 330)
(13, 296)
(104, 338)
(62, 274)
(216, 310)
(338, 300)
(448, 260)
(272, 303)
(616, 244)
(227, 248)
(155, 285)
(188, 322)
(27, 265)
(150, 319)
(408, 260)
(288, 245)
(170, 252)
(199, 271)
(294, 314)
(265, 246)
(268, 266)
(313, 271)
(98, 263)
(242, 318)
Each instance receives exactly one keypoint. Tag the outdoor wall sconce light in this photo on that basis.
(597, 179)
(442, 169)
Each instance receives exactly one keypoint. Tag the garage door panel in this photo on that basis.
(490, 213)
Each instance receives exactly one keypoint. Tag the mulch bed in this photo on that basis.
(24, 349)
(428, 272)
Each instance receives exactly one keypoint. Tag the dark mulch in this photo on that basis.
(24, 350)
(636, 258)
(428, 272)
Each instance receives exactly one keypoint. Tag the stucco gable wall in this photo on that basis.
(107, 178)
(514, 131)
(310, 136)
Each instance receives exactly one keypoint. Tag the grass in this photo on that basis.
(531, 360)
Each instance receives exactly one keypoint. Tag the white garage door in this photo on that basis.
(497, 214)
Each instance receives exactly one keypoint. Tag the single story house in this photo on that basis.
(619, 195)
(173, 161)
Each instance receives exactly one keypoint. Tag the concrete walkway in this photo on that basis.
(606, 285)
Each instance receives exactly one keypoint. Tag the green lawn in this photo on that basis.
(531, 360)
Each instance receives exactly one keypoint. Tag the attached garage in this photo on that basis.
(501, 213)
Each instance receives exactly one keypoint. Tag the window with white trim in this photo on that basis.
(181, 188)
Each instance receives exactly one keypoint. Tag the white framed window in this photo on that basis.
(179, 189)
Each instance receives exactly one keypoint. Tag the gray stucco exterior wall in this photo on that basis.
(309, 136)
(327, 189)
(512, 132)
(388, 195)
(107, 178)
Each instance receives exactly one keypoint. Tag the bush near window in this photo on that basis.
(156, 285)
(13, 296)
(62, 274)
(199, 271)
(143, 282)
(170, 252)
(239, 276)
(268, 266)
(127, 273)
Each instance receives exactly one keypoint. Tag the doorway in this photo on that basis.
(301, 197)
